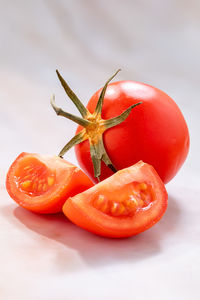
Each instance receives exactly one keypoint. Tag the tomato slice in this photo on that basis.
(127, 203)
(42, 183)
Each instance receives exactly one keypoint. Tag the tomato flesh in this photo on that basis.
(33, 177)
(43, 183)
(124, 201)
(127, 203)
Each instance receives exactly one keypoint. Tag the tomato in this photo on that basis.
(127, 203)
(154, 132)
(42, 183)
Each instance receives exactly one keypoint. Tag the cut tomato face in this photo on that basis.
(127, 203)
(42, 183)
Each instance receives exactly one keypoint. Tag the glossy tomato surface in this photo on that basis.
(42, 183)
(154, 132)
(127, 203)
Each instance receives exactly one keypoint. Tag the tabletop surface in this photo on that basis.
(47, 257)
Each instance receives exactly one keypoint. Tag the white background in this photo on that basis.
(156, 42)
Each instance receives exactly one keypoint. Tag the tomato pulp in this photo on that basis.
(154, 132)
(42, 183)
(127, 203)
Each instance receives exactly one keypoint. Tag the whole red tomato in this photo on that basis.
(154, 132)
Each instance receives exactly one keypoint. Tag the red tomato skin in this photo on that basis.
(80, 212)
(76, 181)
(155, 131)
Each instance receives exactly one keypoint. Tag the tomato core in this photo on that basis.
(33, 177)
(130, 199)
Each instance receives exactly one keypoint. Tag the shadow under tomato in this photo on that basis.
(95, 250)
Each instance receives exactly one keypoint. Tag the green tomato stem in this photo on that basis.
(60, 112)
(82, 109)
(94, 126)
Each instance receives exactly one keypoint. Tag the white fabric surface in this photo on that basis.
(157, 42)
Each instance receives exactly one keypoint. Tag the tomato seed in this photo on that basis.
(26, 184)
(50, 181)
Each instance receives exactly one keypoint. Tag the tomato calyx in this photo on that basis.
(93, 126)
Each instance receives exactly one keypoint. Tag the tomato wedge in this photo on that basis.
(127, 203)
(42, 183)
